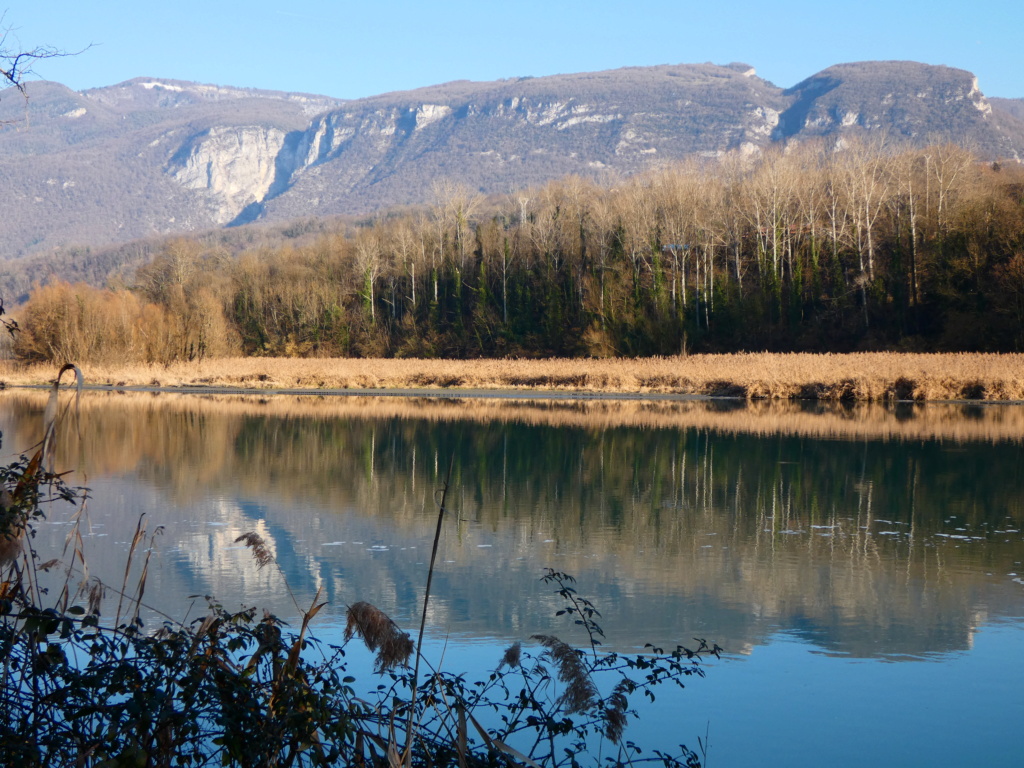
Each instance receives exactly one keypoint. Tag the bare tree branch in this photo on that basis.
(16, 65)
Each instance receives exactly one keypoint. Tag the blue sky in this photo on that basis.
(353, 49)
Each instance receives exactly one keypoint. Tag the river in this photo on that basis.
(862, 566)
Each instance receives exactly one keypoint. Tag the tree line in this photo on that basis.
(806, 248)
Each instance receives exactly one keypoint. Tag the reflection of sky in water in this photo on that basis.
(814, 562)
(787, 704)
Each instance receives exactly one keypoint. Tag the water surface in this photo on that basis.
(862, 566)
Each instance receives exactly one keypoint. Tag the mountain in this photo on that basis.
(910, 101)
(97, 166)
(1013, 107)
(496, 137)
(154, 157)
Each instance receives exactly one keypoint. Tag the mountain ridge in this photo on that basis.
(152, 157)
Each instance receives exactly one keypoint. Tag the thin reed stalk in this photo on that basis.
(140, 534)
(426, 603)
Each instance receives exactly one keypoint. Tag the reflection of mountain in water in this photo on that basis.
(864, 546)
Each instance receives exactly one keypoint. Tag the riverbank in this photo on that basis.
(869, 377)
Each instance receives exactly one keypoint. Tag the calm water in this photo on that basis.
(864, 568)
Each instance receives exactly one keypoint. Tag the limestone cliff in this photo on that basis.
(234, 166)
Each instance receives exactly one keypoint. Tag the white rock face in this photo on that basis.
(580, 119)
(978, 99)
(237, 166)
(385, 124)
(165, 86)
(626, 140)
(765, 120)
(430, 113)
(325, 136)
(545, 114)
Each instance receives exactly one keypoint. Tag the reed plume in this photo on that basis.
(260, 553)
(380, 634)
(615, 710)
(12, 529)
(512, 655)
(580, 691)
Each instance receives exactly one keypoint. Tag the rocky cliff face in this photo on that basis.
(146, 157)
(157, 156)
(497, 136)
(234, 166)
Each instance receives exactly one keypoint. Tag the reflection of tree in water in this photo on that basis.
(679, 529)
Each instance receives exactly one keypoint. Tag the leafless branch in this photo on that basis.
(16, 65)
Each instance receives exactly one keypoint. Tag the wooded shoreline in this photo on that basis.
(872, 248)
(863, 377)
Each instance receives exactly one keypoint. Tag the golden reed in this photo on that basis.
(868, 376)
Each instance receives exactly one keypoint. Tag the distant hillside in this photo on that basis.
(1013, 107)
(907, 100)
(153, 157)
(93, 167)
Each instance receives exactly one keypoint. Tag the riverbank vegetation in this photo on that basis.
(808, 249)
(872, 377)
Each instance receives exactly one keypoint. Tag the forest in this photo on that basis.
(861, 247)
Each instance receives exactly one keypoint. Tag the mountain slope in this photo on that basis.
(499, 136)
(911, 101)
(151, 157)
(92, 167)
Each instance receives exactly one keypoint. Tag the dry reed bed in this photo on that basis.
(870, 376)
(864, 421)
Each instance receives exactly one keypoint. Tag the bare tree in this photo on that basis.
(454, 207)
(369, 266)
(945, 166)
(908, 169)
(772, 185)
(867, 184)
(16, 65)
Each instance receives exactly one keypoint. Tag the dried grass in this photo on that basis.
(872, 376)
(380, 634)
(580, 691)
(260, 553)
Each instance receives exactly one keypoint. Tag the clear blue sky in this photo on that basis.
(353, 49)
